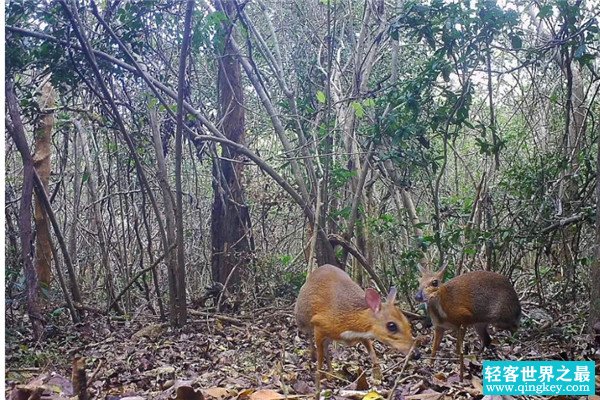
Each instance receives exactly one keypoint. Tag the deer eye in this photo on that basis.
(392, 327)
(435, 283)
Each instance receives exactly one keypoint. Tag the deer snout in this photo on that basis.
(420, 297)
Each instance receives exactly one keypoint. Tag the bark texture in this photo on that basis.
(230, 220)
(594, 321)
(42, 164)
(15, 128)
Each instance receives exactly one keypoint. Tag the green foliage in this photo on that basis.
(407, 262)
(296, 279)
(530, 178)
(56, 313)
(286, 259)
(485, 145)
(359, 111)
(208, 32)
(132, 17)
(578, 35)
(435, 100)
(288, 282)
(455, 28)
(384, 224)
(341, 213)
(321, 98)
(340, 176)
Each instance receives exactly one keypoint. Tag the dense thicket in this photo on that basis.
(371, 135)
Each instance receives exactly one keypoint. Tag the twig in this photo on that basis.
(93, 376)
(24, 369)
(137, 276)
(232, 320)
(391, 394)
(563, 222)
(335, 239)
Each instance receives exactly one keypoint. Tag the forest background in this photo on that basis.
(168, 156)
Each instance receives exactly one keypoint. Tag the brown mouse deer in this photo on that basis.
(477, 299)
(331, 306)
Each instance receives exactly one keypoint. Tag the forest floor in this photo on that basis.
(258, 356)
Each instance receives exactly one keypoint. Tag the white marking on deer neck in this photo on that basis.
(438, 315)
(351, 335)
(437, 308)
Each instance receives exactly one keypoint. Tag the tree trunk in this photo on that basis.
(179, 318)
(594, 321)
(324, 252)
(77, 178)
(232, 242)
(42, 138)
(98, 221)
(163, 182)
(17, 132)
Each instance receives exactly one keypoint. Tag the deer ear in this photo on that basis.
(421, 268)
(442, 270)
(391, 297)
(373, 299)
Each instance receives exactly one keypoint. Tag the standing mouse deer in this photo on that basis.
(331, 306)
(477, 299)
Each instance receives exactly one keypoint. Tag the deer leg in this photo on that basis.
(327, 355)
(374, 361)
(460, 335)
(483, 334)
(320, 342)
(438, 334)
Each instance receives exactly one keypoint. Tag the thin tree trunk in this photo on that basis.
(163, 182)
(98, 222)
(72, 15)
(63, 287)
(594, 319)
(150, 251)
(356, 199)
(72, 245)
(180, 299)
(17, 132)
(13, 258)
(42, 137)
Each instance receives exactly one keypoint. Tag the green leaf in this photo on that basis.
(152, 103)
(545, 11)
(359, 111)
(321, 97)
(58, 312)
(581, 50)
(286, 259)
(516, 42)
(586, 59)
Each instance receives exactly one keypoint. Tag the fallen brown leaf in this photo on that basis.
(266, 394)
(361, 382)
(244, 394)
(152, 331)
(430, 395)
(219, 393)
